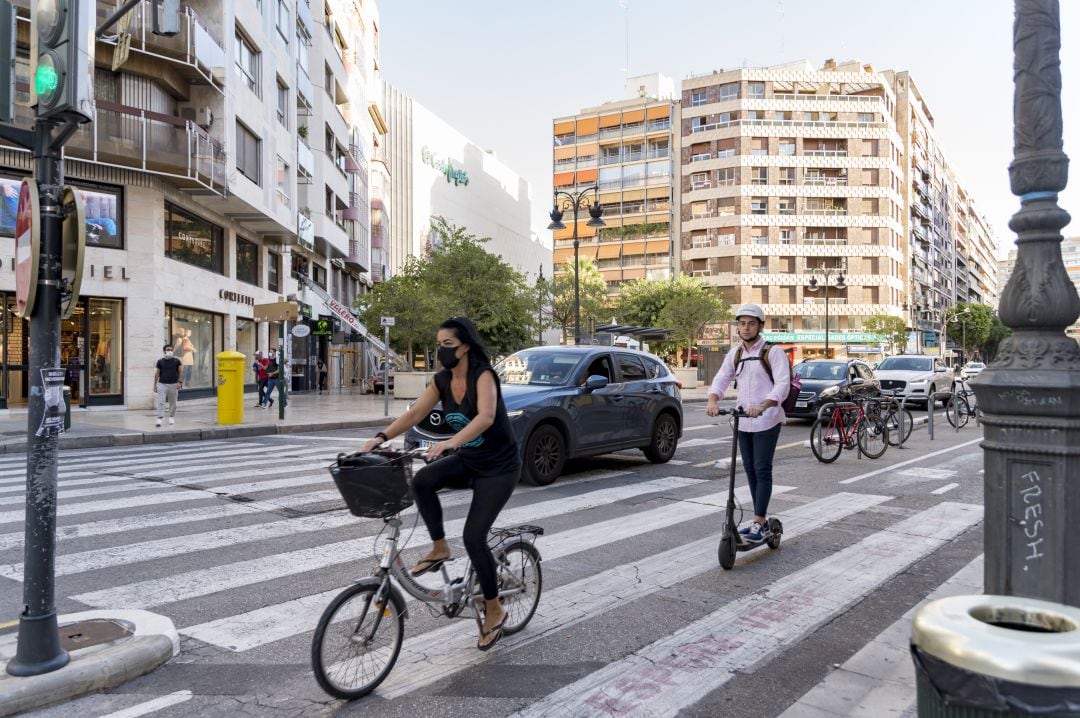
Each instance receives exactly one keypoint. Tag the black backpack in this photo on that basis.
(796, 383)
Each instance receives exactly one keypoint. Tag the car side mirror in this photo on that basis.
(595, 382)
(940, 370)
(858, 381)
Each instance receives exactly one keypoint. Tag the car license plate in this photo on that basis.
(800, 404)
(425, 444)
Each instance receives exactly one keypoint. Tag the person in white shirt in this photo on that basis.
(761, 396)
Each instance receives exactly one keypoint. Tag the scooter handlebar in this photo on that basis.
(737, 412)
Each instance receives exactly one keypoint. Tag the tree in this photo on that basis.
(404, 298)
(593, 292)
(969, 324)
(690, 307)
(642, 300)
(892, 329)
(998, 333)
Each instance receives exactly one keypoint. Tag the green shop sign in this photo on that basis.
(837, 337)
(458, 177)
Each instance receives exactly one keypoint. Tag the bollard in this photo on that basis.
(67, 407)
(996, 657)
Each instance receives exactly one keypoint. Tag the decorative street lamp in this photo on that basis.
(826, 286)
(540, 309)
(1030, 394)
(575, 201)
(966, 314)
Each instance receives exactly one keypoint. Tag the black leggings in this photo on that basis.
(490, 494)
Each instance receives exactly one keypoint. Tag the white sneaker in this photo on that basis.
(171, 421)
(157, 423)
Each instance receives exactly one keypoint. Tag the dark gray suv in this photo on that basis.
(567, 402)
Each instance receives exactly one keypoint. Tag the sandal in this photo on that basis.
(427, 565)
(497, 630)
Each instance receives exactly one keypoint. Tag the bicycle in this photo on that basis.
(848, 427)
(963, 405)
(365, 623)
(897, 417)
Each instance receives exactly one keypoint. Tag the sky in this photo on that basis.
(499, 71)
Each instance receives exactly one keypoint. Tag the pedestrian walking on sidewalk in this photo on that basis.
(273, 370)
(762, 376)
(167, 383)
(320, 368)
(259, 367)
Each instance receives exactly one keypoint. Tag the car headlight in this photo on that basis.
(830, 392)
(918, 382)
(515, 413)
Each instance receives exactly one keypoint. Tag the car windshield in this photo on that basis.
(906, 364)
(537, 367)
(821, 370)
(976, 365)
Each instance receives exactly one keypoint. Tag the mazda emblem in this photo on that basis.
(435, 419)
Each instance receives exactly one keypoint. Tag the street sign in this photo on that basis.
(386, 321)
(74, 250)
(27, 248)
(301, 330)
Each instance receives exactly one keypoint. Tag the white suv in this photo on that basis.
(916, 376)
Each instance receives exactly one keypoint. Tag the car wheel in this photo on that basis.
(545, 455)
(664, 440)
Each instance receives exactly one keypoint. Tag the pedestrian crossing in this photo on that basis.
(244, 544)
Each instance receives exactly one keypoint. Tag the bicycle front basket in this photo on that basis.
(374, 485)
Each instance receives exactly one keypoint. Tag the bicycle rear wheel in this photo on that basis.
(825, 441)
(520, 584)
(357, 640)
(896, 420)
(957, 411)
(873, 437)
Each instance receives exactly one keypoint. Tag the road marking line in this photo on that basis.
(201, 582)
(924, 473)
(944, 489)
(699, 428)
(917, 459)
(680, 669)
(9, 624)
(153, 706)
(566, 606)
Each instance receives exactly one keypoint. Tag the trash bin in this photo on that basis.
(230, 387)
(996, 656)
(67, 407)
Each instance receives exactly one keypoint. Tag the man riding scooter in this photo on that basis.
(761, 385)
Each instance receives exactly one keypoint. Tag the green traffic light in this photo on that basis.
(46, 78)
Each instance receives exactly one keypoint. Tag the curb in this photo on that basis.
(179, 435)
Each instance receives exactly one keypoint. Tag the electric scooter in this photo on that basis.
(732, 541)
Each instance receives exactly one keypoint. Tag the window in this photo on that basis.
(247, 62)
(196, 339)
(273, 272)
(247, 153)
(759, 235)
(283, 25)
(655, 369)
(631, 367)
(192, 240)
(866, 117)
(780, 324)
(730, 91)
(759, 175)
(106, 327)
(699, 209)
(300, 266)
(787, 146)
(755, 114)
(870, 177)
(785, 205)
(759, 205)
(726, 148)
(787, 235)
(699, 180)
(281, 169)
(755, 90)
(786, 175)
(318, 275)
(282, 103)
(697, 97)
(870, 205)
(759, 145)
(725, 207)
(328, 81)
(870, 148)
(725, 176)
(247, 261)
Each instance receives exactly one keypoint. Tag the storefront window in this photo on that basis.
(246, 337)
(196, 340)
(192, 240)
(273, 272)
(106, 322)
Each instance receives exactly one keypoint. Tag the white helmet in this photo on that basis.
(751, 310)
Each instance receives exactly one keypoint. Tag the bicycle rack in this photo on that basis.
(931, 403)
(901, 404)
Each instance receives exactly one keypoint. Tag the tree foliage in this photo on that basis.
(969, 325)
(593, 292)
(690, 306)
(892, 329)
(997, 334)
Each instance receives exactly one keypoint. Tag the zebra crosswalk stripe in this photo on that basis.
(682, 668)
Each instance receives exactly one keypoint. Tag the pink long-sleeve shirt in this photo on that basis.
(755, 385)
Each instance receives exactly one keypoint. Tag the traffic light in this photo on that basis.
(166, 17)
(63, 79)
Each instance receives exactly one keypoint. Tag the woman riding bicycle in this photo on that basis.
(486, 460)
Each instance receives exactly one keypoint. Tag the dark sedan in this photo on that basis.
(825, 380)
(567, 402)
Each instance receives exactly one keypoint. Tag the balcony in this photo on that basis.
(827, 211)
(701, 157)
(825, 153)
(305, 163)
(305, 91)
(304, 20)
(659, 153)
(658, 125)
(132, 138)
(826, 181)
(194, 48)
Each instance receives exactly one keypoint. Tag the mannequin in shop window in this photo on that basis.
(187, 355)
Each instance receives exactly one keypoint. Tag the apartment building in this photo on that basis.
(787, 172)
(1070, 254)
(436, 171)
(1005, 269)
(208, 187)
(976, 253)
(626, 149)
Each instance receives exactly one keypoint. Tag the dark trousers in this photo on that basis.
(262, 390)
(757, 449)
(490, 494)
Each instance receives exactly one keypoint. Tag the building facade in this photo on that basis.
(626, 149)
(204, 196)
(435, 171)
(1070, 254)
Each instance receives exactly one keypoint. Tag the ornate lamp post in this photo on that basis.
(1030, 395)
(963, 329)
(576, 201)
(826, 286)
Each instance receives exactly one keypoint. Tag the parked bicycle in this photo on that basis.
(846, 425)
(963, 405)
(897, 417)
(359, 636)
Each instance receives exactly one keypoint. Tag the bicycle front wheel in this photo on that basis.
(825, 441)
(957, 411)
(520, 584)
(873, 437)
(897, 420)
(358, 640)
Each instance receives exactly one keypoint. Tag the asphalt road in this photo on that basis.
(242, 543)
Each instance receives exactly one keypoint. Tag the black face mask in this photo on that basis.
(448, 357)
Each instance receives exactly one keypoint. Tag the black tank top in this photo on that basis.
(496, 450)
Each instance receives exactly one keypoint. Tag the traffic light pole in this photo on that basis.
(39, 648)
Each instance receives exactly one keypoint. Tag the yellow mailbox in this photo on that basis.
(230, 387)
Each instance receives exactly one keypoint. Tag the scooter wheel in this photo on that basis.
(777, 530)
(726, 553)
